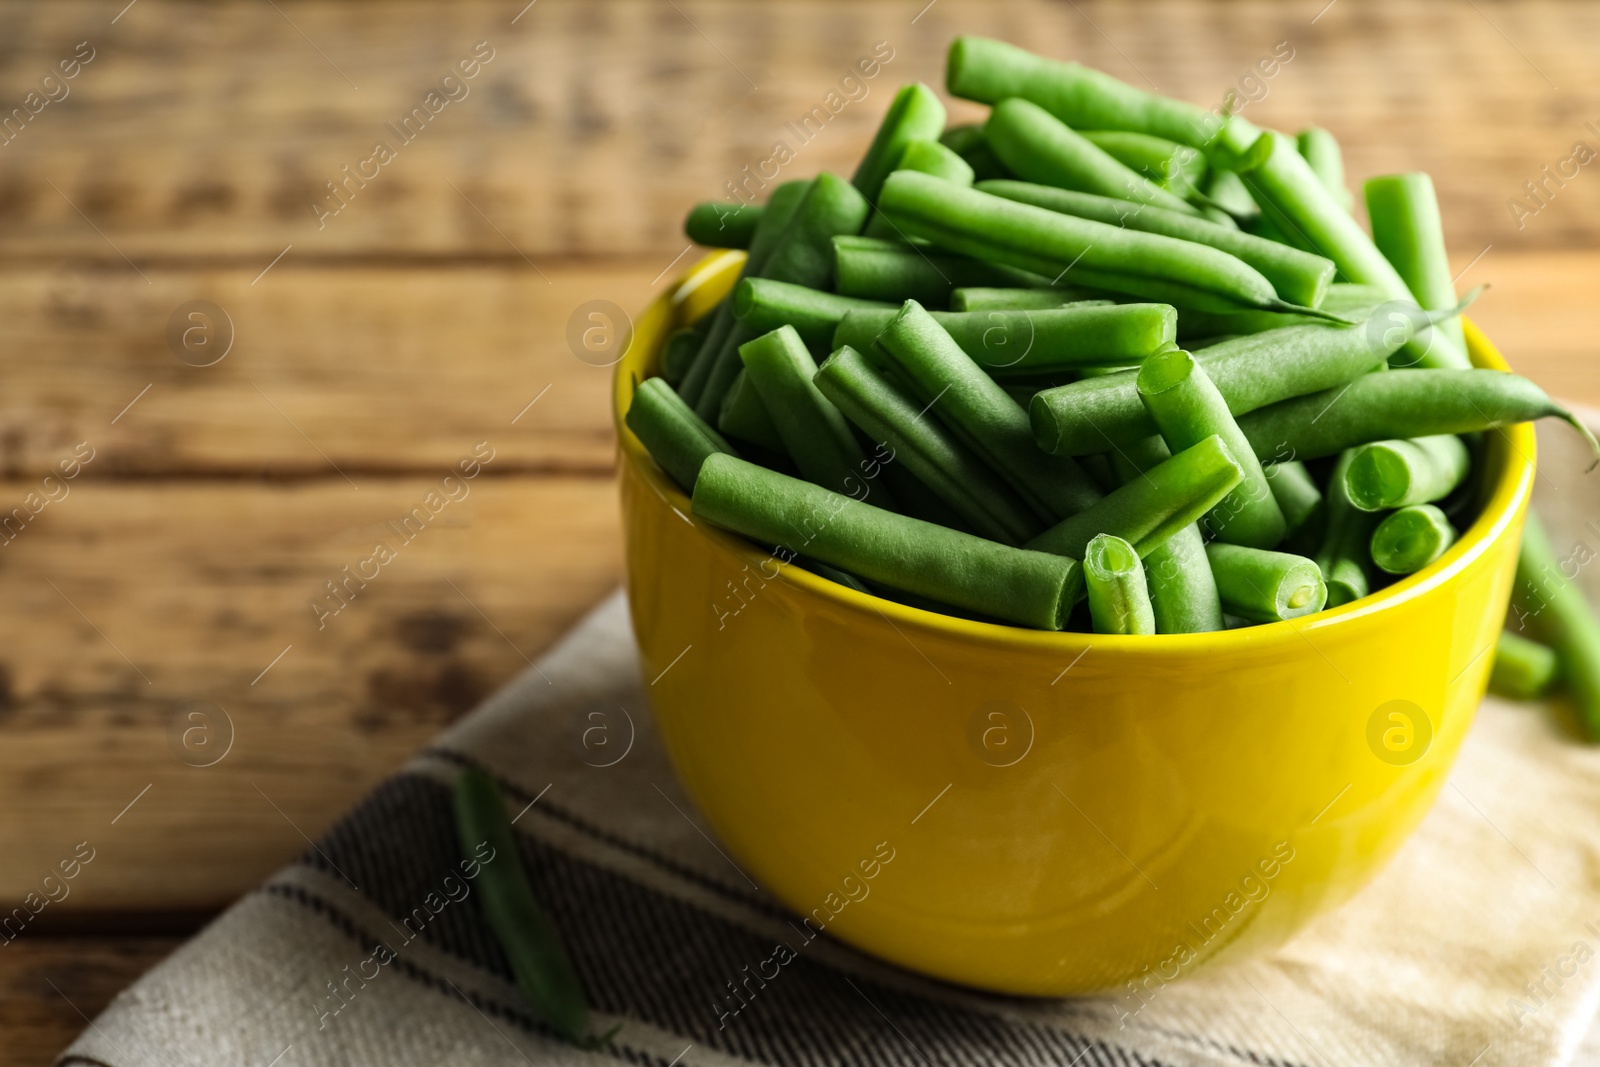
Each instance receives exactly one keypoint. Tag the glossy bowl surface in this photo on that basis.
(1049, 813)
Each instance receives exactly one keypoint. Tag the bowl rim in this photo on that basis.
(703, 284)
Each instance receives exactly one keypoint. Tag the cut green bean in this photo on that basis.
(1186, 408)
(1028, 588)
(969, 143)
(764, 304)
(676, 438)
(979, 298)
(1396, 404)
(931, 157)
(1183, 592)
(1395, 474)
(1297, 201)
(1227, 190)
(1302, 504)
(1345, 558)
(1150, 509)
(1012, 345)
(814, 433)
(1265, 586)
(1298, 277)
(874, 269)
(1409, 539)
(915, 114)
(1523, 669)
(677, 354)
(525, 932)
(717, 224)
(989, 71)
(744, 415)
(1408, 230)
(1080, 251)
(1549, 606)
(966, 399)
(1320, 150)
(1113, 577)
(1039, 147)
(1250, 372)
(1175, 167)
(934, 455)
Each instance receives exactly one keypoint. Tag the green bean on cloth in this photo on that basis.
(1549, 606)
(1028, 588)
(718, 224)
(1394, 474)
(1345, 556)
(1264, 586)
(676, 438)
(872, 268)
(1410, 538)
(1186, 408)
(1113, 578)
(1523, 669)
(765, 304)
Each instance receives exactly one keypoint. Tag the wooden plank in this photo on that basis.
(142, 598)
(211, 130)
(46, 982)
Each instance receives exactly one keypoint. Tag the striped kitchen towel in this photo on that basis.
(1476, 946)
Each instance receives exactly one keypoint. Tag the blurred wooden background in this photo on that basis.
(373, 349)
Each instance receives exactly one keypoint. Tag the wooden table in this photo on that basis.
(199, 154)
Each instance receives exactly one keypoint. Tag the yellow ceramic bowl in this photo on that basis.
(1049, 813)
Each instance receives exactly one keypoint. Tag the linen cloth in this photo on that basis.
(1478, 945)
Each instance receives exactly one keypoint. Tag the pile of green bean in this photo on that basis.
(1106, 360)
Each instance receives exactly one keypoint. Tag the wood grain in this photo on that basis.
(48, 985)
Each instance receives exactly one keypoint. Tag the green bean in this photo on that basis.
(931, 157)
(1250, 372)
(1546, 602)
(1302, 504)
(764, 304)
(1040, 148)
(1183, 592)
(1407, 229)
(1028, 588)
(1409, 539)
(1228, 191)
(527, 936)
(915, 114)
(1320, 150)
(874, 269)
(744, 415)
(1186, 408)
(1298, 277)
(813, 431)
(1150, 509)
(1033, 239)
(1395, 474)
(678, 353)
(968, 142)
(1523, 669)
(980, 298)
(1344, 298)
(1113, 577)
(932, 454)
(676, 438)
(717, 224)
(1401, 403)
(1175, 167)
(1344, 558)
(973, 405)
(1294, 197)
(1011, 345)
(1264, 586)
(990, 71)
(780, 209)
(803, 255)
(1098, 466)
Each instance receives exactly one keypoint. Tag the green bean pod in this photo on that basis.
(915, 114)
(1084, 252)
(968, 142)
(1028, 588)
(1264, 586)
(677, 355)
(1356, 302)
(1409, 539)
(937, 458)
(989, 71)
(1149, 510)
(931, 157)
(1175, 167)
(1408, 230)
(764, 304)
(1039, 147)
(527, 936)
(814, 433)
(1227, 191)
(717, 224)
(973, 405)
(676, 438)
(1396, 474)
(981, 298)
(1320, 150)
(1298, 277)
(870, 268)
(1183, 592)
(1523, 669)
(1345, 557)
(744, 415)
(1396, 404)
(1113, 577)
(1549, 605)
(1302, 504)
(1186, 408)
